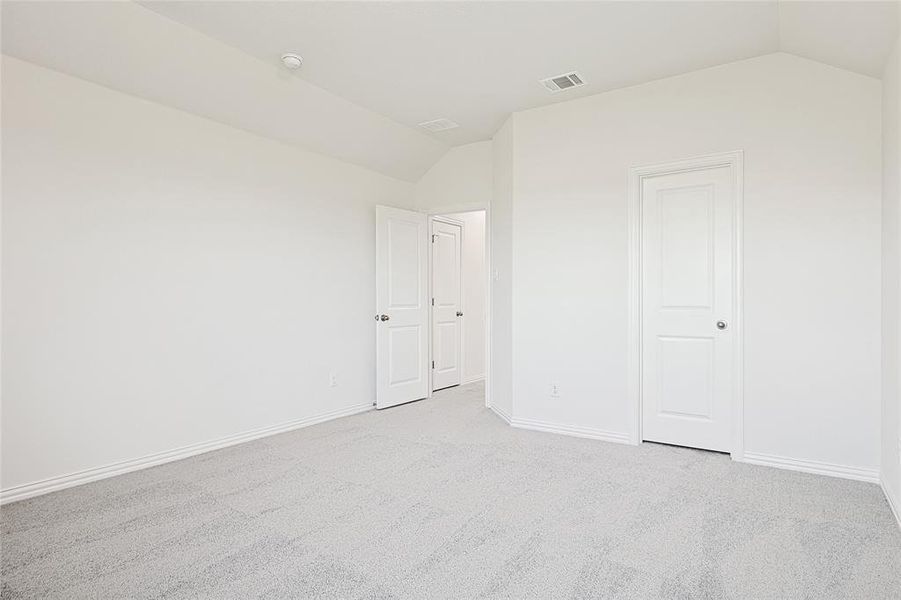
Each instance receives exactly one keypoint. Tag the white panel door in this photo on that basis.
(687, 305)
(447, 312)
(401, 285)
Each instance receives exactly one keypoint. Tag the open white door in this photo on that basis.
(401, 287)
(447, 310)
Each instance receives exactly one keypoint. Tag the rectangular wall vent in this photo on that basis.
(563, 82)
(439, 125)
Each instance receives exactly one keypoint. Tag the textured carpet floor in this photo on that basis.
(441, 499)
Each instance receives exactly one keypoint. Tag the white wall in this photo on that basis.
(460, 180)
(474, 294)
(811, 137)
(891, 266)
(168, 280)
(500, 379)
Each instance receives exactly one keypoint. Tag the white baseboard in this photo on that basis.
(29, 490)
(808, 466)
(475, 379)
(893, 501)
(572, 430)
(500, 413)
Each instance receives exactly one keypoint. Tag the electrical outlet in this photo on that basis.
(555, 390)
(332, 379)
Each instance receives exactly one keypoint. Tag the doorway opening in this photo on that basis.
(419, 350)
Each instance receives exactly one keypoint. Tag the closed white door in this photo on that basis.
(687, 305)
(447, 312)
(402, 319)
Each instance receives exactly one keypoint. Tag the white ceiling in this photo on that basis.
(856, 36)
(471, 62)
(128, 48)
(476, 62)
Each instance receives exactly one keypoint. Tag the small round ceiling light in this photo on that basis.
(292, 61)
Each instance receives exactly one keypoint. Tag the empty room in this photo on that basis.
(450, 300)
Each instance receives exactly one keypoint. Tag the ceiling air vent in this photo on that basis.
(563, 82)
(439, 125)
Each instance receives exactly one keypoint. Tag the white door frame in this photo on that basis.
(735, 161)
(449, 211)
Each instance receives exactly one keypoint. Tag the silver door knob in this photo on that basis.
(721, 325)
(384, 317)
(459, 313)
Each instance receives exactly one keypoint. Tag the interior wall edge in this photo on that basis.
(504, 416)
(893, 502)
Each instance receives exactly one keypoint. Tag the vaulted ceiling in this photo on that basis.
(374, 70)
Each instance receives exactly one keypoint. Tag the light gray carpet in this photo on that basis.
(441, 499)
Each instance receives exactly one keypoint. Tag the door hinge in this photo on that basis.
(433, 302)
(433, 364)
(434, 236)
